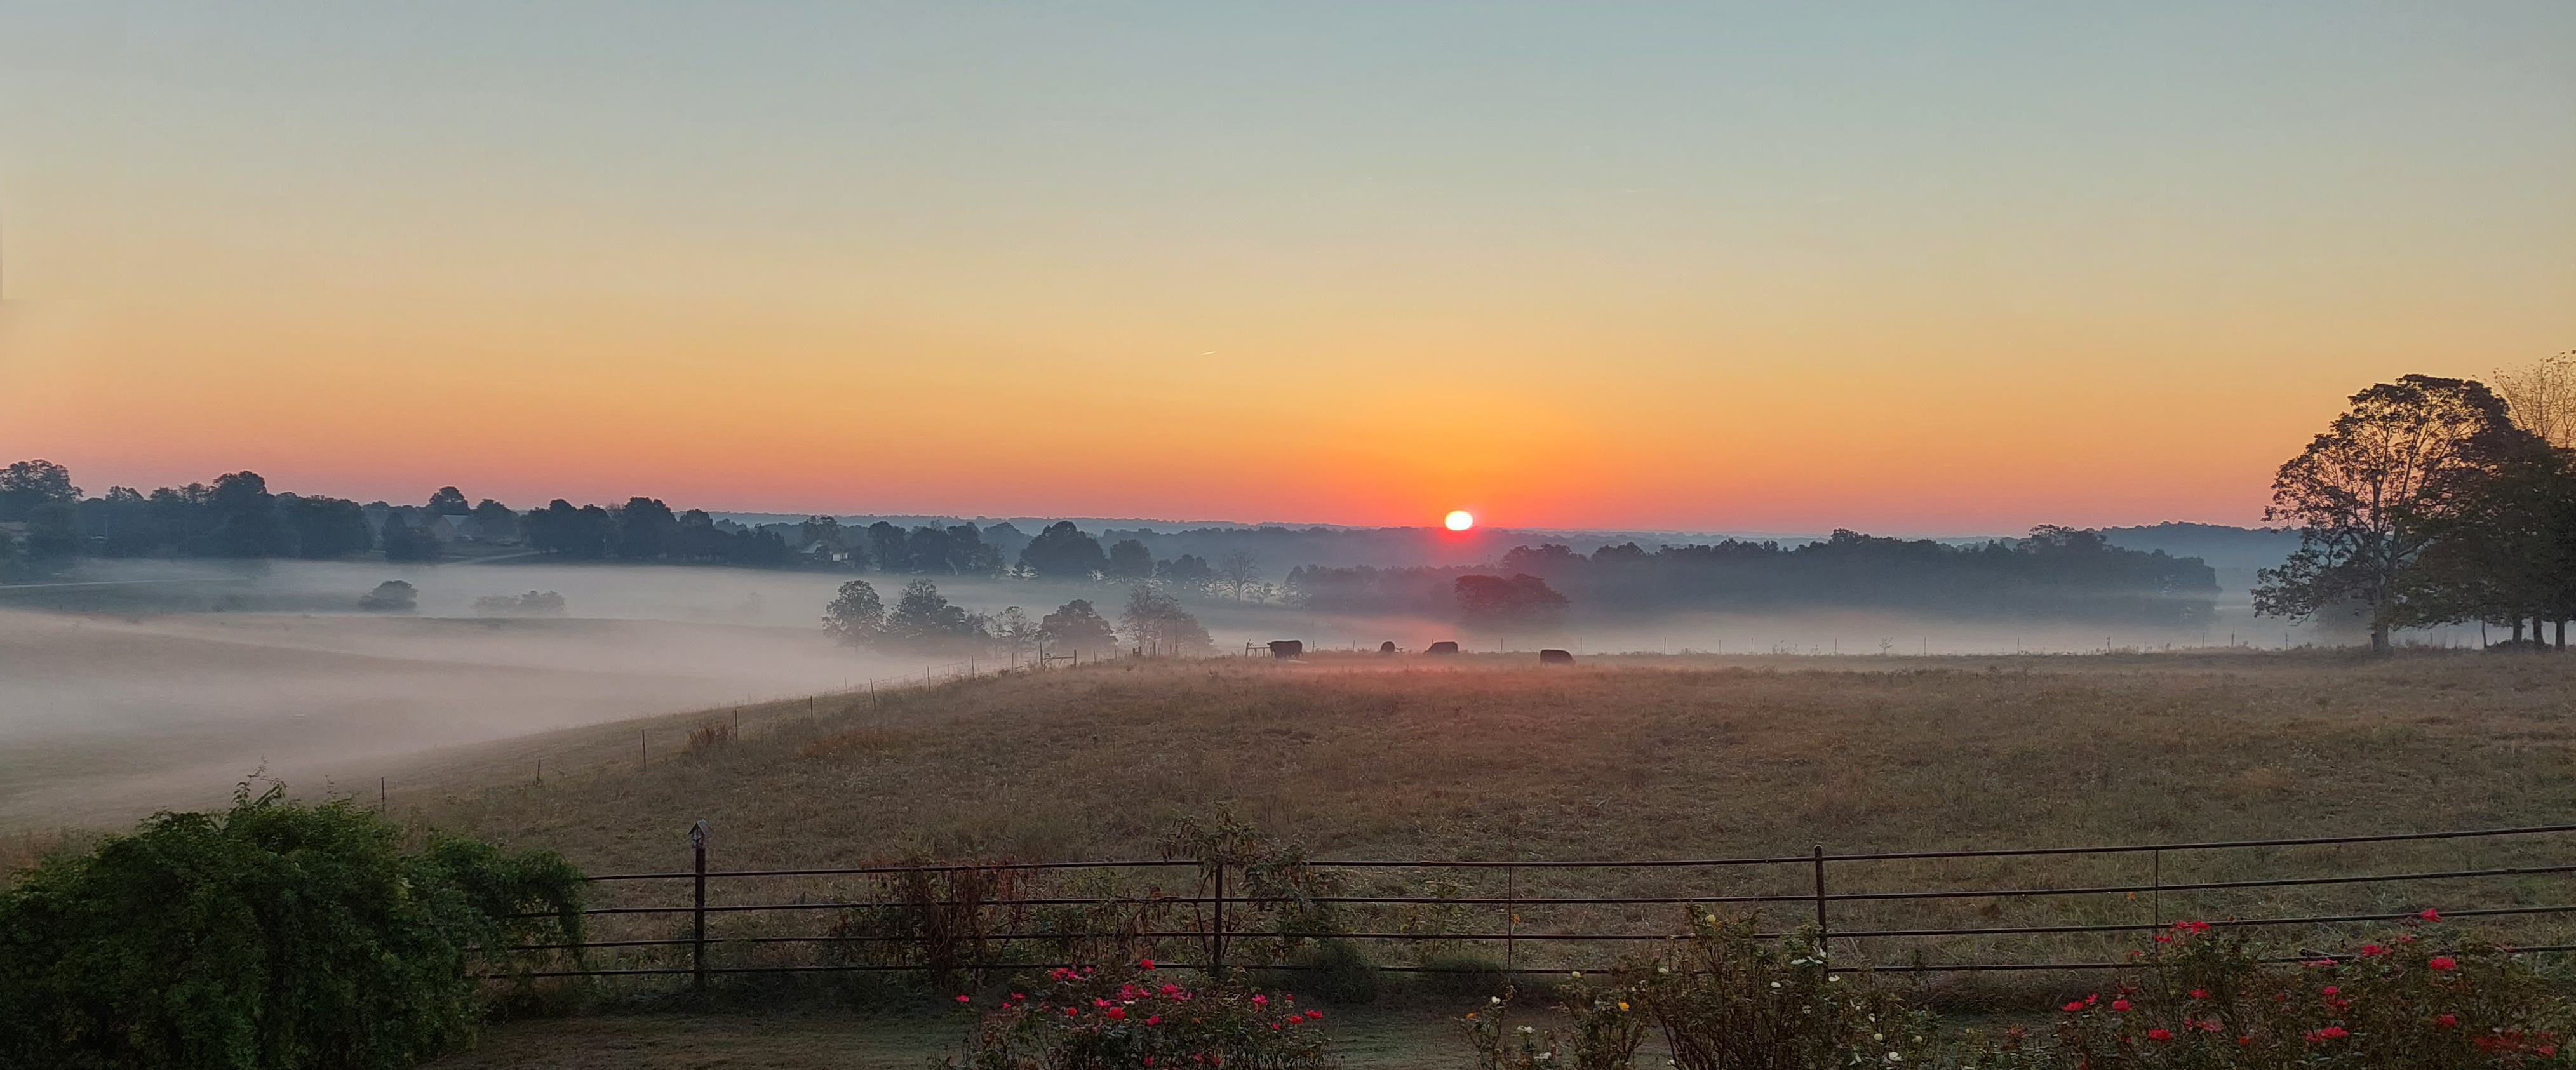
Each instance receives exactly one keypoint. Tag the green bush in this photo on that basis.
(274, 936)
(1333, 969)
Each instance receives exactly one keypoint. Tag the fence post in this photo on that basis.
(1511, 915)
(698, 910)
(1823, 955)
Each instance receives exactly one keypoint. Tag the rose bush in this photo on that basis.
(1132, 1018)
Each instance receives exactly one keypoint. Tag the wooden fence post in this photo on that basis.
(698, 910)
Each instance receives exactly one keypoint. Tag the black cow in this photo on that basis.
(1284, 649)
(1442, 647)
(1555, 657)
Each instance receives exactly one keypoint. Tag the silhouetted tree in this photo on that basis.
(2369, 494)
(24, 485)
(855, 616)
(498, 522)
(888, 548)
(1075, 626)
(402, 542)
(644, 528)
(1130, 560)
(969, 554)
(447, 501)
(923, 619)
(1188, 570)
(245, 522)
(326, 527)
(1062, 551)
(1157, 624)
(1521, 601)
(1238, 572)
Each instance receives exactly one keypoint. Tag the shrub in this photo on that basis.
(1606, 1026)
(1729, 1001)
(275, 935)
(1337, 971)
(713, 734)
(2218, 1001)
(1131, 1018)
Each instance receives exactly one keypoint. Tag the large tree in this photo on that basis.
(24, 485)
(1063, 551)
(856, 615)
(2372, 493)
(1157, 624)
(1077, 627)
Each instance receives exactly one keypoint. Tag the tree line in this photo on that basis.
(2054, 573)
(46, 524)
(2434, 501)
(923, 621)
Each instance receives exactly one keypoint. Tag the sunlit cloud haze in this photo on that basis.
(1903, 267)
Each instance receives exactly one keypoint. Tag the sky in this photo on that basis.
(1924, 268)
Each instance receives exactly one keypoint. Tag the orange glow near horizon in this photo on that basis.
(1459, 520)
(1647, 270)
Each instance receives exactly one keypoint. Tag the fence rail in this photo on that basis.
(1817, 901)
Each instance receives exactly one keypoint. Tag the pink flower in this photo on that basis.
(964, 998)
(1148, 964)
(1117, 1013)
(1154, 1019)
(2446, 1019)
(2442, 962)
(2331, 990)
(2119, 1004)
(1274, 1025)
(2200, 993)
(1259, 1000)
(1073, 1012)
(2430, 914)
(1316, 1015)
(2332, 1032)
(2074, 1005)
(2160, 1033)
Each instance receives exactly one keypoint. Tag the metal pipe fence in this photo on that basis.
(1829, 891)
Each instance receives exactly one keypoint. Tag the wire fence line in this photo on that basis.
(1484, 906)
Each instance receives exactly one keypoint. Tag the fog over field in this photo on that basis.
(133, 685)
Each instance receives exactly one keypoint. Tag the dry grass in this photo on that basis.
(1639, 758)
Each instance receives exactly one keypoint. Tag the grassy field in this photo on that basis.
(1494, 758)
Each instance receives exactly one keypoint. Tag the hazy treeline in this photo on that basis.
(2055, 573)
(2436, 501)
(924, 621)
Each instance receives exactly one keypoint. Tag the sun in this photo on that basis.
(1460, 520)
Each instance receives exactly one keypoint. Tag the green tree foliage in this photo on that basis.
(1129, 560)
(1062, 551)
(274, 936)
(2370, 494)
(24, 485)
(1158, 624)
(1075, 626)
(855, 616)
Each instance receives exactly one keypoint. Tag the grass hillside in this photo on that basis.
(1494, 759)
(1498, 759)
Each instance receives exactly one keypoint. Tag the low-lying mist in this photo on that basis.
(168, 681)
